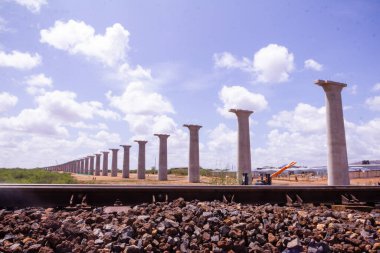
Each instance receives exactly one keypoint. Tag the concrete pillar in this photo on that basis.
(141, 160)
(194, 168)
(78, 167)
(97, 166)
(82, 166)
(105, 163)
(163, 157)
(86, 165)
(337, 165)
(114, 162)
(126, 161)
(91, 165)
(244, 145)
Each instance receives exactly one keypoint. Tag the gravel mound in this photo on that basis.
(195, 226)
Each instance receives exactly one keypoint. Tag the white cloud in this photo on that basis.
(7, 101)
(376, 87)
(36, 84)
(229, 61)
(39, 80)
(32, 5)
(63, 105)
(33, 121)
(373, 103)
(77, 37)
(54, 112)
(273, 63)
(313, 65)
(137, 99)
(304, 118)
(238, 97)
(19, 60)
(51, 149)
(300, 135)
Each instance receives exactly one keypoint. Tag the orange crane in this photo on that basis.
(283, 169)
(268, 177)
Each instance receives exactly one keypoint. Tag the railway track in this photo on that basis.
(16, 195)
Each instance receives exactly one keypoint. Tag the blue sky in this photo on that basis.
(79, 77)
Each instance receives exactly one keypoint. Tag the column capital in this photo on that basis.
(125, 146)
(162, 135)
(140, 141)
(114, 149)
(241, 112)
(105, 152)
(328, 85)
(192, 127)
(98, 154)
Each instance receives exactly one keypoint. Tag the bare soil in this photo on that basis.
(182, 180)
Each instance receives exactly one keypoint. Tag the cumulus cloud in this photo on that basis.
(137, 99)
(19, 60)
(7, 101)
(32, 5)
(76, 37)
(304, 118)
(376, 87)
(63, 105)
(36, 84)
(300, 135)
(229, 61)
(238, 97)
(313, 65)
(273, 63)
(373, 103)
(54, 112)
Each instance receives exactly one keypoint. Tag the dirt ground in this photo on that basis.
(182, 180)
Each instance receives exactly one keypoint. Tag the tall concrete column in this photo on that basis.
(114, 162)
(97, 165)
(163, 157)
(91, 165)
(78, 167)
(86, 165)
(337, 165)
(82, 166)
(244, 145)
(141, 160)
(105, 163)
(194, 168)
(126, 161)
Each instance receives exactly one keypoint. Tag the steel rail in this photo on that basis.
(24, 195)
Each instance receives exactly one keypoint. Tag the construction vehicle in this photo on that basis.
(266, 179)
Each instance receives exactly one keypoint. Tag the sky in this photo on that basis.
(80, 77)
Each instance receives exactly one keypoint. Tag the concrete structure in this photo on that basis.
(91, 165)
(97, 164)
(82, 166)
(337, 165)
(126, 161)
(244, 145)
(141, 160)
(114, 162)
(163, 157)
(86, 165)
(194, 168)
(77, 166)
(105, 163)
